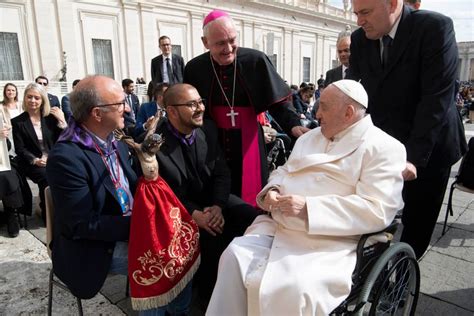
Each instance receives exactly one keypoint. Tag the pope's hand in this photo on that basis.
(271, 200)
(292, 205)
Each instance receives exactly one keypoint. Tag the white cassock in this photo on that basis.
(287, 265)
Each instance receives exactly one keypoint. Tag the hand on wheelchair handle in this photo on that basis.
(410, 172)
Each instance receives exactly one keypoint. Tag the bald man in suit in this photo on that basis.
(407, 61)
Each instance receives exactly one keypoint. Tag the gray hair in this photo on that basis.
(83, 98)
(206, 28)
(359, 108)
(345, 33)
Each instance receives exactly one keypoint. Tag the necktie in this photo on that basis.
(132, 113)
(344, 73)
(387, 43)
(169, 71)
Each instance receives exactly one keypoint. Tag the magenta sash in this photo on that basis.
(246, 121)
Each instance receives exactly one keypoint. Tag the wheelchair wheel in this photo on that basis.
(392, 287)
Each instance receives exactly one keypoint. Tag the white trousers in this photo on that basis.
(241, 269)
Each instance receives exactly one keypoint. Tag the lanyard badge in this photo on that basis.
(120, 192)
(123, 199)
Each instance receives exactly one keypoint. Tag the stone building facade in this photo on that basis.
(119, 38)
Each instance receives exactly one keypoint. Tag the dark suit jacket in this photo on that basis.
(66, 106)
(146, 111)
(27, 146)
(157, 69)
(88, 218)
(211, 186)
(412, 99)
(332, 75)
(134, 107)
(53, 100)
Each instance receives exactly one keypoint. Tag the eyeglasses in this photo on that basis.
(120, 105)
(43, 83)
(193, 105)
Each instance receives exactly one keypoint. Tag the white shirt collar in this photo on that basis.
(393, 31)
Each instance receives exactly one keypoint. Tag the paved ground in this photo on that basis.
(447, 270)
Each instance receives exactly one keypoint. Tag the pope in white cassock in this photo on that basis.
(342, 180)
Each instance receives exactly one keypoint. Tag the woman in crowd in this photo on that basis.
(10, 193)
(11, 108)
(34, 132)
(10, 101)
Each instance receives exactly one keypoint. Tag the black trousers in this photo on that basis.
(423, 198)
(38, 176)
(238, 216)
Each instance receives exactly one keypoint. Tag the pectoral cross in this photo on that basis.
(232, 115)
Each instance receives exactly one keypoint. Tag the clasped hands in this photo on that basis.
(288, 205)
(210, 219)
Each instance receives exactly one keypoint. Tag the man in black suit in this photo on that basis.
(167, 67)
(407, 61)
(343, 52)
(192, 163)
(131, 107)
(53, 100)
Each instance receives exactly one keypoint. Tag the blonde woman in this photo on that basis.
(34, 132)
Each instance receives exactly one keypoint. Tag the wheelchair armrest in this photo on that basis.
(391, 229)
(368, 253)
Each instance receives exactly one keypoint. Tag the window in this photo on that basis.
(176, 49)
(306, 69)
(103, 59)
(10, 60)
(273, 59)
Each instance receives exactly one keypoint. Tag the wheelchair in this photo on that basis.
(386, 279)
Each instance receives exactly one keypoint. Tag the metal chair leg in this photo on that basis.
(79, 306)
(17, 211)
(25, 222)
(50, 294)
(449, 209)
(127, 288)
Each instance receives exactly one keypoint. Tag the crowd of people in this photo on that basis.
(359, 153)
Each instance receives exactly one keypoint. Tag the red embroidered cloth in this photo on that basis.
(163, 252)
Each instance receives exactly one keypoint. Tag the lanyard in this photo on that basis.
(120, 192)
(115, 180)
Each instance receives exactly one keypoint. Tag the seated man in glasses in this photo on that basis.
(92, 186)
(192, 163)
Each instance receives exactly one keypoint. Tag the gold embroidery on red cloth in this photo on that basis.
(180, 251)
